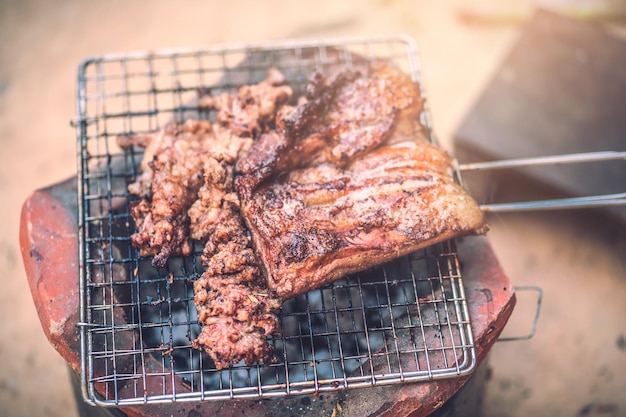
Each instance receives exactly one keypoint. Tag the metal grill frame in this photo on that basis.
(402, 322)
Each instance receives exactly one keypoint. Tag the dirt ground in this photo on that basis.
(575, 363)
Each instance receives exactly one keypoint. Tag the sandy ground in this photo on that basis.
(573, 366)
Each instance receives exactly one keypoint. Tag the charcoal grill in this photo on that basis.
(405, 321)
(402, 322)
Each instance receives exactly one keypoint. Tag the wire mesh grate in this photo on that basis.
(400, 322)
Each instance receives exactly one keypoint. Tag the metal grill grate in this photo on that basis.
(404, 321)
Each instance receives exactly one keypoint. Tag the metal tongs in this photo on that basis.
(562, 203)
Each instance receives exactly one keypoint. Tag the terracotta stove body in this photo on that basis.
(49, 244)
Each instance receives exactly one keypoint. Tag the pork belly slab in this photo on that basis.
(370, 190)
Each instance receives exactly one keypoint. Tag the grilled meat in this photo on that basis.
(340, 119)
(287, 198)
(252, 109)
(174, 161)
(235, 307)
(234, 304)
(375, 190)
(168, 185)
(186, 191)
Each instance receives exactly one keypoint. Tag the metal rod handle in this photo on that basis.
(562, 203)
(545, 160)
(533, 330)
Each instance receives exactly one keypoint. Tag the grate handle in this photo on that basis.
(533, 329)
(561, 203)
